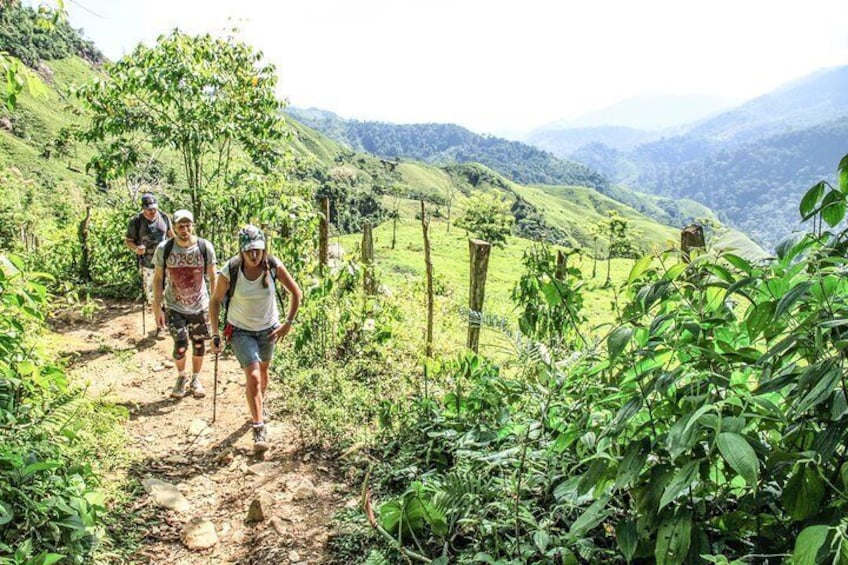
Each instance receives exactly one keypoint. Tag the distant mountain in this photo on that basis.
(750, 164)
(562, 142)
(448, 143)
(757, 186)
(814, 99)
(650, 112)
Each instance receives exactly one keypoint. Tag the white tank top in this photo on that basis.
(252, 307)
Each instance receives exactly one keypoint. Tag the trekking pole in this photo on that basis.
(217, 342)
(143, 298)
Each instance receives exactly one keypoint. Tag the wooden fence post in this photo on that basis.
(691, 236)
(561, 265)
(479, 251)
(85, 262)
(368, 259)
(428, 263)
(323, 233)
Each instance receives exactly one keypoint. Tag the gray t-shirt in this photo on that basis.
(185, 283)
(148, 233)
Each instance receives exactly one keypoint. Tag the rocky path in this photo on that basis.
(199, 493)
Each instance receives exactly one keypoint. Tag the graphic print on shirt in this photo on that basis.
(185, 275)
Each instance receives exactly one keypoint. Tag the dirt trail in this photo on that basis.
(212, 465)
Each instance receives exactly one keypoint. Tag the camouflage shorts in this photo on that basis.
(185, 327)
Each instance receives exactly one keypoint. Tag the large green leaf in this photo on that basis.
(632, 462)
(758, 318)
(833, 208)
(591, 517)
(843, 175)
(821, 391)
(618, 340)
(48, 558)
(683, 435)
(673, 538)
(592, 476)
(804, 492)
(790, 298)
(541, 539)
(714, 298)
(390, 516)
(740, 456)
(841, 557)
(7, 513)
(639, 268)
(683, 479)
(625, 413)
(811, 199)
(738, 262)
(627, 538)
(808, 544)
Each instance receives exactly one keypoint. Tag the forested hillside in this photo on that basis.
(748, 164)
(446, 143)
(442, 144)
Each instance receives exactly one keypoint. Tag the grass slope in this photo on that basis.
(38, 119)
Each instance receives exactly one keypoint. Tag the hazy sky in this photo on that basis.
(492, 65)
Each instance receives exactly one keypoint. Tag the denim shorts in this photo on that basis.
(252, 347)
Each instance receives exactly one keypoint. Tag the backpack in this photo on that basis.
(137, 224)
(169, 247)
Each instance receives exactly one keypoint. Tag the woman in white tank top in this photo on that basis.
(253, 318)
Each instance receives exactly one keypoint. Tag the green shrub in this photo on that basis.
(49, 505)
(709, 424)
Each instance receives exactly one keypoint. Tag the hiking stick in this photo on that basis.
(143, 298)
(217, 342)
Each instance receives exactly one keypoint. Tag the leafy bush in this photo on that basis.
(32, 36)
(487, 218)
(49, 508)
(339, 371)
(710, 424)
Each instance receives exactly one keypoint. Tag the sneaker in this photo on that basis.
(180, 388)
(260, 439)
(197, 389)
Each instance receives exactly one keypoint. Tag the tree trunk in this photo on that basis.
(370, 282)
(428, 263)
(691, 236)
(394, 229)
(477, 289)
(595, 261)
(85, 262)
(323, 233)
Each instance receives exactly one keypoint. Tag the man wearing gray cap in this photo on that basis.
(182, 265)
(145, 231)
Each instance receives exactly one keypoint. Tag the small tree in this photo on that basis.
(450, 196)
(394, 214)
(487, 218)
(207, 98)
(620, 239)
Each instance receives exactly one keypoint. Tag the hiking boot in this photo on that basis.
(180, 388)
(159, 335)
(260, 439)
(197, 389)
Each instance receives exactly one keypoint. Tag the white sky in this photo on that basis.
(493, 65)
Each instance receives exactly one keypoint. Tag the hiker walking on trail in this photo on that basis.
(145, 231)
(247, 285)
(180, 265)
